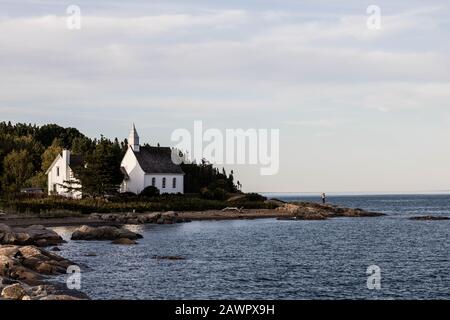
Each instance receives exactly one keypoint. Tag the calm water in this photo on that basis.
(270, 259)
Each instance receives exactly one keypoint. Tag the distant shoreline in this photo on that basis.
(350, 194)
(287, 211)
(191, 215)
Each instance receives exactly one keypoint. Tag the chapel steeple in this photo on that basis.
(133, 139)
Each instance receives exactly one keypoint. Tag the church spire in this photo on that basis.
(133, 139)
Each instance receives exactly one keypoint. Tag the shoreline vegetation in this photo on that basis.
(51, 211)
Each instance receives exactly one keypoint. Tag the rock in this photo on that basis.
(33, 235)
(45, 268)
(13, 292)
(168, 258)
(29, 263)
(56, 249)
(429, 218)
(4, 228)
(103, 233)
(91, 254)
(160, 220)
(316, 211)
(22, 271)
(124, 241)
(152, 217)
(56, 292)
(288, 207)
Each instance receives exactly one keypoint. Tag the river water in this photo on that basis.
(270, 259)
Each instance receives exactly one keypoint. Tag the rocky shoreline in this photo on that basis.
(25, 272)
(26, 267)
(315, 211)
(285, 211)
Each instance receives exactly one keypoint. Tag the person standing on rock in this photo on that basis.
(324, 198)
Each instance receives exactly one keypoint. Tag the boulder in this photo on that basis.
(56, 292)
(103, 233)
(33, 235)
(13, 292)
(160, 220)
(316, 211)
(23, 270)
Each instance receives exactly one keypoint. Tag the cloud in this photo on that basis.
(322, 123)
(220, 59)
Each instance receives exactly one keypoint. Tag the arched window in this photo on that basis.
(153, 181)
(174, 183)
(164, 183)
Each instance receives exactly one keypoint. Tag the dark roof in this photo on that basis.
(76, 160)
(157, 160)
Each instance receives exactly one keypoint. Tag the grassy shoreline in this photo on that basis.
(47, 207)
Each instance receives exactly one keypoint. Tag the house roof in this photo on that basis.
(157, 160)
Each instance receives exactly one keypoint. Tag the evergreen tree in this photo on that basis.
(101, 173)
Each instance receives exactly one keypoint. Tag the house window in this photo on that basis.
(57, 171)
(164, 183)
(54, 187)
(153, 182)
(174, 183)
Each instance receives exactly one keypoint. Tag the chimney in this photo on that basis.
(66, 156)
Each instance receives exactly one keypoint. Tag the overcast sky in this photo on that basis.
(358, 109)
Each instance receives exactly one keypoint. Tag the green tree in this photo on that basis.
(101, 173)
(51, 153)
(82, 146)
(17, 169)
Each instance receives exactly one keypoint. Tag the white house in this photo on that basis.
(145, 166)
(60, 173)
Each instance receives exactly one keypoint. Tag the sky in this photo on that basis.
(358, 109)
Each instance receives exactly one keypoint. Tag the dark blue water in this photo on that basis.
(270, 259)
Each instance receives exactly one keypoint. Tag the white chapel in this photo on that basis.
(145, 166)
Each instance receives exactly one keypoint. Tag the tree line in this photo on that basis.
(28, 150)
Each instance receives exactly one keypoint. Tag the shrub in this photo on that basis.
(149, 192)
(255, 197)
(213, 194)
